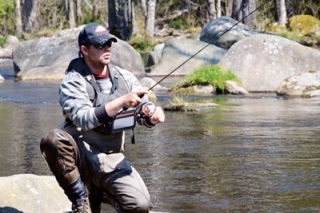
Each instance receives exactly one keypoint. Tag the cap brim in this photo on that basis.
(103, 40)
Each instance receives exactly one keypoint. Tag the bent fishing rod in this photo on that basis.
(258, 8)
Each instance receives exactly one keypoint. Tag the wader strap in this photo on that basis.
(115, 83)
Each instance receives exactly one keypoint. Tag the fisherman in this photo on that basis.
(86, 152)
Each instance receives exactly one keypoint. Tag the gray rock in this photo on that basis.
(5, 53)
(224, 32)
(262, 62)
(48, 53)
(177, 54)
(306, 85)
(234, 88)
(29, 193)
(11, 42)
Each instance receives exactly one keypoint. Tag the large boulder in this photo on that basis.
(29, 193)
(37, 58)
(186, 55)
(305, 85)
(262, 62)
(224, 32)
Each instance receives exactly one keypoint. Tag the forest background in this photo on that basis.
(142, 20)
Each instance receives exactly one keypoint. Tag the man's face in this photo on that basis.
(99, 55)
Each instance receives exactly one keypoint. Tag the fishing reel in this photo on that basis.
(127, 118)
(145, 110)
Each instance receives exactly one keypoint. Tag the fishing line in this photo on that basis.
(258, 8)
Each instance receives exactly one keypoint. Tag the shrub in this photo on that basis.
(213, 75)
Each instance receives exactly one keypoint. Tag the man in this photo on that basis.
(86, 152)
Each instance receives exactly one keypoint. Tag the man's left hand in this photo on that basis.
(157, 116)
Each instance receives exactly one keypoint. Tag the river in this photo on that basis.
(256, 153)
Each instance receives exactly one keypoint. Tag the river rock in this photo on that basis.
(224, 32)
(184, 56)
(262, 62)
(49, 53)
(30, 193)
(11, 42)
(234, 88)
(5, 53)
(306, 85)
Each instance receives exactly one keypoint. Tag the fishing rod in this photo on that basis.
(258, 8)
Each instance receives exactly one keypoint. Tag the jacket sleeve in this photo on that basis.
(75, 102)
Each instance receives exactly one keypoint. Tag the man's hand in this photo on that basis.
(128, 100)
(133, 99)
(157, 116)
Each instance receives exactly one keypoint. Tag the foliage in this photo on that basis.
(52, 14)
(213, 75)
(304, 24)
(6, 6)
(178, 24)
(2, 41)
(6, 16)
(142, 46)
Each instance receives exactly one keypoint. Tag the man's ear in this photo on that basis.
(84, 50)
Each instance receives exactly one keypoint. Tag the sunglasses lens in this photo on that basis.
(102, 46)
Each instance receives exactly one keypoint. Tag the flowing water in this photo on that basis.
(259, 153)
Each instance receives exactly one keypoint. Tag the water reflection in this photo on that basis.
(249, 154)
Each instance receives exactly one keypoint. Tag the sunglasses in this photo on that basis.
(103, 46)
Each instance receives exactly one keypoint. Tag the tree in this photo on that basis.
(251, 20)
(18, 19)
(70, 13)
(241, 10)
(236, 10)
(282, 13)
(120, 18)
(218, 8)
(212, 13)
(30, 14)
(150, 18)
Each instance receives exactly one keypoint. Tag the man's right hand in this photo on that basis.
(129, 100)
(133, 99)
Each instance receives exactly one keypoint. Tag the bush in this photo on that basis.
(210, 75)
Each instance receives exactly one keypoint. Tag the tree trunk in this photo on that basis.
(150, 18)
(70, 13)
(228, 8)
(248, 7)
(18, 18)
(96, 9)
(236, 10)
(120, 18)
(211, 11)
(218, 8)
(79, 11)
(290, 8)
(30, 13)
(282, 13)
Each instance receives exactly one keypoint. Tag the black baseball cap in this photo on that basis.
(94, 33)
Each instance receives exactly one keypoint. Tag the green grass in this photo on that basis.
(210, 75)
